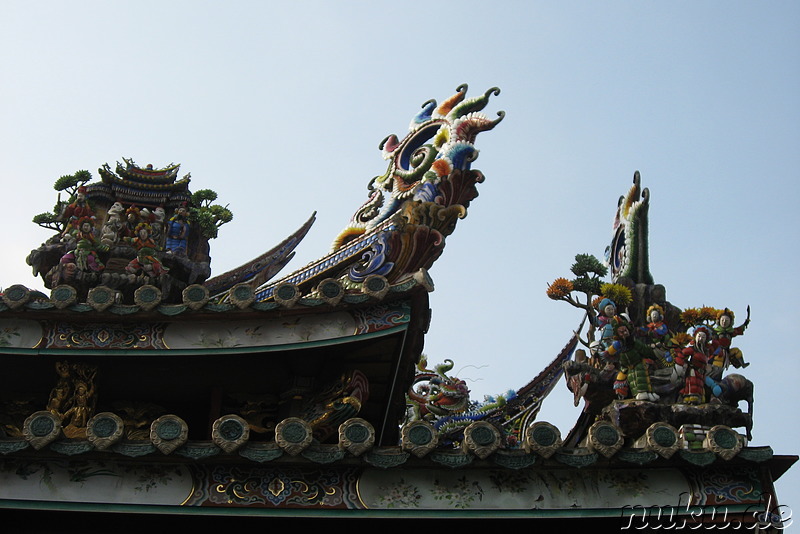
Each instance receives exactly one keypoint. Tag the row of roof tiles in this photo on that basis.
(294, 437)
(147, 298)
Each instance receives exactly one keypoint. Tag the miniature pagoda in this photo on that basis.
(142, 385)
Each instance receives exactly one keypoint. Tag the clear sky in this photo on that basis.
(280, 106)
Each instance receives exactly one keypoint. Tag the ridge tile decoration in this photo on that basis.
(141, 227)
(137, 227)
(648, 361)
(415, 204)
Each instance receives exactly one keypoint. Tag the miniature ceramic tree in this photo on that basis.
(588, 271)
(68, 183)
(206, 216)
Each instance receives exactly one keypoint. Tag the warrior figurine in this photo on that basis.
(656, 333)
(634, 359)
(145, 260)
(85, 255)
(691, 364)
(77, 209)
(724, 332)
(178, 232)
(132, 219)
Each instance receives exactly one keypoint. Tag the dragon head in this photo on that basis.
(440, 143)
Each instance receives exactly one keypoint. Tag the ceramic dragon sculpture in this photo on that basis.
(426, 164)
(627, 255)
(444, 400)
(413, 205)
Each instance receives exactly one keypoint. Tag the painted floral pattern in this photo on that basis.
(94, 481)
(523, 489)
(399, 495)
(461, 495)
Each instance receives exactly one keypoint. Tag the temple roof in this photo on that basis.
(325, 365)
(399, 231)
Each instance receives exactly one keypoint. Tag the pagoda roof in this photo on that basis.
(132, 175)
(139, 186)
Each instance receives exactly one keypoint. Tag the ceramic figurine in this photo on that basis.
(178, 232)
(607, 312)
(109, 235)
(145, 261)
(85, 255)
(79, 208)
(691, 364)
(656, 333)
(132, 220)
(158, 225)
(634, 359)
(724, 331)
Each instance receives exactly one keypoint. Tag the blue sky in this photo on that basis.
(280, 107)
